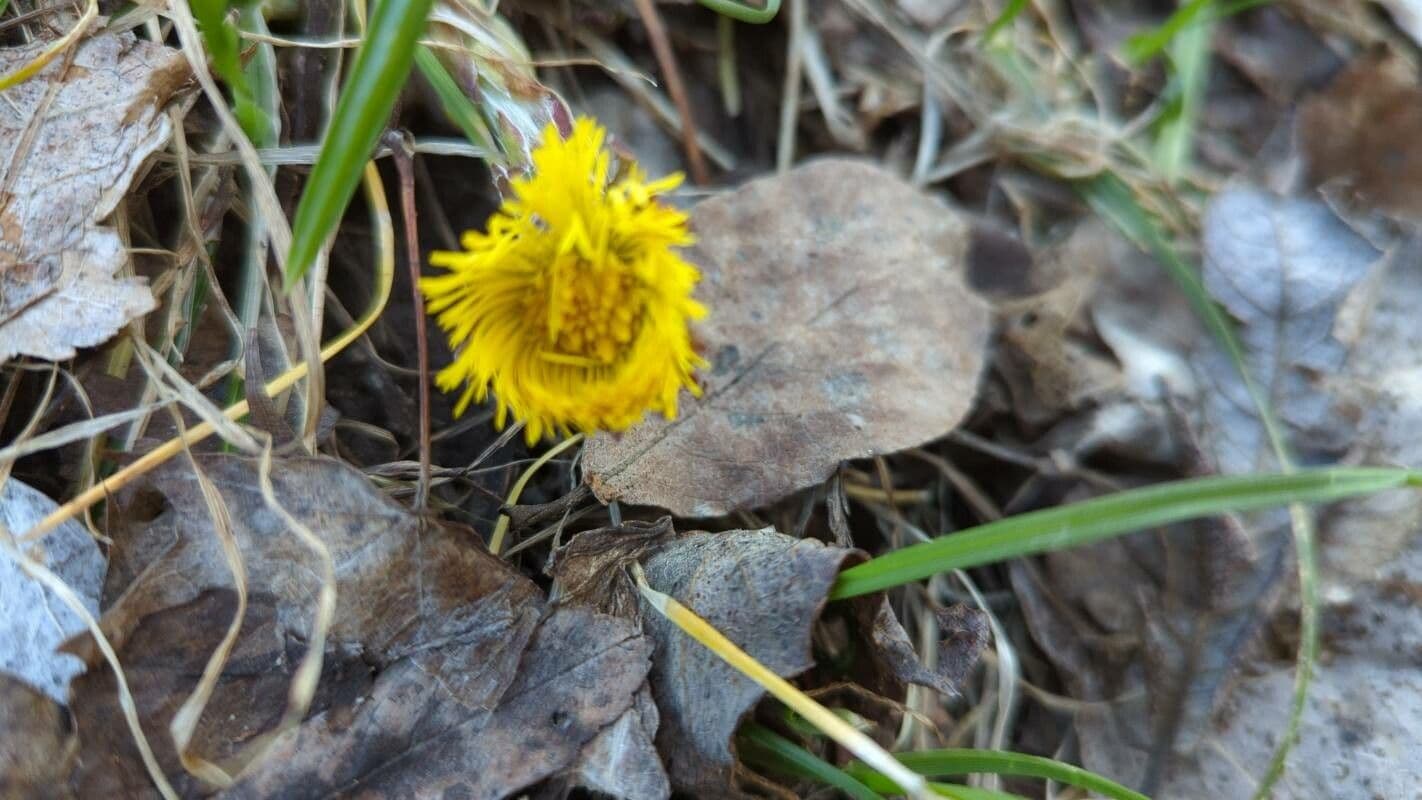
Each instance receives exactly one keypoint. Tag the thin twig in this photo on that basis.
(666, 61)
(402, 146)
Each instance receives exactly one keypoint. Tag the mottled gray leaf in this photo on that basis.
(1281, 267)
(33, 621)
(762, 589)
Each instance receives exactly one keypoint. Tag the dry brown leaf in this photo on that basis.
(439, 674)
(36, 742)
(840, 328)
(162, 659)
(1362, 137)
(430, 727)
(401, 585)
(71, 141)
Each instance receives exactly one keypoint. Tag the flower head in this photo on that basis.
(573, 307)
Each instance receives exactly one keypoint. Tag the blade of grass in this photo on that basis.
(1113, 515)
(453, 101)
(1009, 14)
(742, 12)
(1189, 73)
(996, 762)
(767, 749)
(384, 60)
(1147, 44)
(224, 52)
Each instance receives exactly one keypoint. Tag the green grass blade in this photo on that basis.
(997, 762)
(1113, 515)
(1189, 74)
(382, 64)
(1011, 12)
(767, 749)
(224, 50)
(742, 12)
(957, 791)
(455, 103)
(1146, 45)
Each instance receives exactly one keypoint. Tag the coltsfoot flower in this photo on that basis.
(574, 307)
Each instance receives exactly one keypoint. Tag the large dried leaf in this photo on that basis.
(162, 659)
(71, 141)
(441, 627)
(419, 733)
(402, 585)
(33, 621)
(840, 328)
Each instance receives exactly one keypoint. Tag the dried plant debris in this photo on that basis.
(843, 329)
(33, 621)
(36, 742)
(1164, 629)
(437, 651)
(72, 139)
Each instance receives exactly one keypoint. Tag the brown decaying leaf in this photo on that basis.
(443, 670)
(1362, 136)
(840, 328)
(71, 142)
(422, 733)
(36, 742)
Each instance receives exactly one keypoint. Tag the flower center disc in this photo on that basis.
(595, 313)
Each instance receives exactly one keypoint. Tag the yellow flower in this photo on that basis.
(573, 307)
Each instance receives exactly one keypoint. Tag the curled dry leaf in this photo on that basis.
(72, 139)
(33, 621)
(1282, 268)
(840, 327)
(434, 644)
